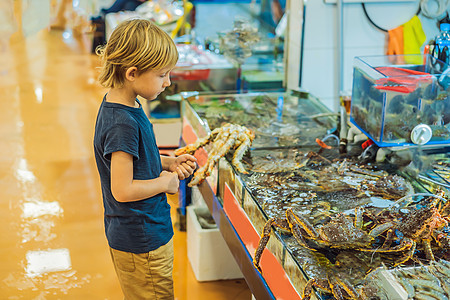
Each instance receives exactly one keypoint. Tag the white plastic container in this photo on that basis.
(207, 251)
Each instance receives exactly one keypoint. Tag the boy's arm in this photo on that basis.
(125, 189)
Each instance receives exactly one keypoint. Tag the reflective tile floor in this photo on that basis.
(52, 244)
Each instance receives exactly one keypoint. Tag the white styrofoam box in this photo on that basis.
(207, 251)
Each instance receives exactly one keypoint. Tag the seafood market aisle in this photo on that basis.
(52, 243)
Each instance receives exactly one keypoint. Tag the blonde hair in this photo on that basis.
(135, 43)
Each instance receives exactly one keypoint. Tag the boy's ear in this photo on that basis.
(131, 73)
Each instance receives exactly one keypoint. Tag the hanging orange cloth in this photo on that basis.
(395, 41)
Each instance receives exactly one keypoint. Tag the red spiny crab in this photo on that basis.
(341, 232)
(345, 233)
(224, 139)
(420, 226)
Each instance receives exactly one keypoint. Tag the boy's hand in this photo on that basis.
(184, 165)
(172, 181)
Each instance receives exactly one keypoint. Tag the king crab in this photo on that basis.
(421, 226)
(345, 233)
(223, 139)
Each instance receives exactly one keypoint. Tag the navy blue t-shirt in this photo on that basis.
(138, 226)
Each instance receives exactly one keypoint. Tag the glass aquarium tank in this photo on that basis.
(402, 100)
(278, 119)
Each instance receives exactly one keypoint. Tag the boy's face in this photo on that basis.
(152, 83)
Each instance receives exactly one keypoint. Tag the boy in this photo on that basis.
(137, 60)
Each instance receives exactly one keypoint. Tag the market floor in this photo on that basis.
(52, 243)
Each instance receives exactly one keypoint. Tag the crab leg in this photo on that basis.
(445, 209)
(442, 239)
(406, 245)
(297, 222)
(389, 237)
(376, 231)
(265, 236)
(239, 153)
(438, 197)
(198, 176)
(191, 148)
(410, 254)
(358, 223)
(308, 289)
(335, 287)
(341, 289)
(427, 247)
(348, 288)
(217, 154)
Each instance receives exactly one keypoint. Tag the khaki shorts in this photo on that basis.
(145, 275)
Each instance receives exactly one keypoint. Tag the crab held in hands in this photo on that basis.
(223, 139)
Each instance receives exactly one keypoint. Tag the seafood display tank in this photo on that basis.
(402, 100)
(289, 175)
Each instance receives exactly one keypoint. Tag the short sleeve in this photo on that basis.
(122, 137)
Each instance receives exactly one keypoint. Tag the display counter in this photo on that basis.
(278, 119)
(276, 116)
(288, 170)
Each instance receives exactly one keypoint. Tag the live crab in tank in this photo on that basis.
(421, 227)
(223, 139)
(406, 233)
(344, 278)
(281, 179)
(340, 232)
